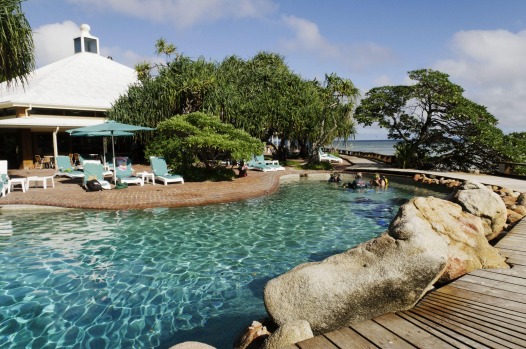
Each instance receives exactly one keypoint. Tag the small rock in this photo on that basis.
(520, 209)
(513, 217)
(192, 345)
(289, 334)
(252, 337)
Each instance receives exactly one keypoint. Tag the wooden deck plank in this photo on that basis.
(483, 340)
(483, 289)
(499, 285)
(512, 245)
(475, 326)
(347, 338)
(510, 252)
(316, 343)
(482, 318)
(379, 335)
(513, 277)
(516, 259)
(476, 295)
(518, 271)
(413, 334)
(449, 335)
(498, 312)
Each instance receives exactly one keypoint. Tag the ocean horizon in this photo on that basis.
(384, 147)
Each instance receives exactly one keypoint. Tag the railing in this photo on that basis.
(388, 159)
(512, 168)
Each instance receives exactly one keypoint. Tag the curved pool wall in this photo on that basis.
(157, 277)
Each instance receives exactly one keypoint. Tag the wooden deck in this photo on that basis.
(484, 309)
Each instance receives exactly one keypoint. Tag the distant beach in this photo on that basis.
(385, 147)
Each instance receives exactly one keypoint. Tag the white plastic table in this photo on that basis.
(42, 179)
(147, 176)
(17, 181)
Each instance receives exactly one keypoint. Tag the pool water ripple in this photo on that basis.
(157, 277)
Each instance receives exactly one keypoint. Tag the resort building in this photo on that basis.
(76, 91)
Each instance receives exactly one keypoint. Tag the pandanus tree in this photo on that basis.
(264, 97)
(17, 58)
(261, 96)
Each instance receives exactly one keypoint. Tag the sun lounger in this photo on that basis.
(4, 184)
(93, 170)
(124, 172)
(64, 168)
(161, 172)
(274, 164)
(328, 157)
(253, 164)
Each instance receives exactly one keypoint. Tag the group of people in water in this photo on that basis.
(379, 181)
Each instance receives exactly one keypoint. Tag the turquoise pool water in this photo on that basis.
(157, 277)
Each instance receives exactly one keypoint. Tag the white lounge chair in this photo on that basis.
(5, 186)
(253, 164)
(64, 168)
(273, 164)
(93, 170)
(161, 172)
(124, 172)
(328, 157)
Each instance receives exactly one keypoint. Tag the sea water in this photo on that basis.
(384, 147)
(157, 277)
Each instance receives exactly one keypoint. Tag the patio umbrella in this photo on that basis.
(112, 127)
(101, 134)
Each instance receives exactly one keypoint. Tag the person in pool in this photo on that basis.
(335, 178)
(379, 181)
(358, 182)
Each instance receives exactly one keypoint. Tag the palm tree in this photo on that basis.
(17, 58)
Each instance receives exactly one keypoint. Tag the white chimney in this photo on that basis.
(86, 42)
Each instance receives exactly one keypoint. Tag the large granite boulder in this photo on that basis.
(429, 240)
(464, 233)
(386, 274)
(481, 201)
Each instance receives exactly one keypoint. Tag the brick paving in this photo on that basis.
(68, 193)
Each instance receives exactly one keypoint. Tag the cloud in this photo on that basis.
(183, 13)
(307, 38)
(54, 41)
(489, 65)
(383, 80)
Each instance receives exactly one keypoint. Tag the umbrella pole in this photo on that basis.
(114, 168)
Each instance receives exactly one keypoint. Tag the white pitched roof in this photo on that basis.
(81, 81)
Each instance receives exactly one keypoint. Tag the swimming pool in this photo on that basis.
(157, 277)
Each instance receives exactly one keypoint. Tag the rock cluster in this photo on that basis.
(430, 241)
(515, 202)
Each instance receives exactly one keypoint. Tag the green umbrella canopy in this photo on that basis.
(110, 126)
(101, 134)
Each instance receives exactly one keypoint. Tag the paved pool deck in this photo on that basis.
(68, 193)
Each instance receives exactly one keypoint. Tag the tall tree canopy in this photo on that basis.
(261, 96)
(438, 127)
(17, 58)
